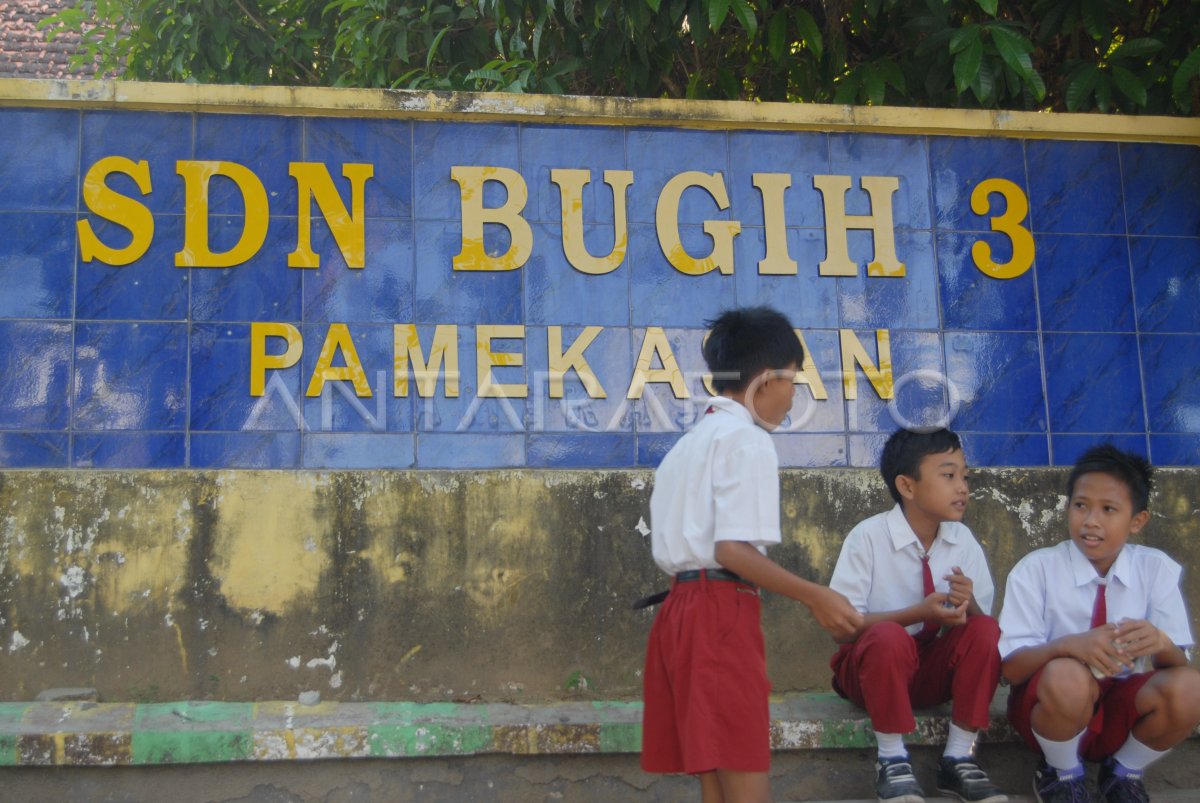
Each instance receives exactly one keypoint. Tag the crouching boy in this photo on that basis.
(1094, 632)
(922, 583)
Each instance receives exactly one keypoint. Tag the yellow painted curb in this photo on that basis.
(506, 107)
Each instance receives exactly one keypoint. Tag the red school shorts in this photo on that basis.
(705, 684)
(1109, 727)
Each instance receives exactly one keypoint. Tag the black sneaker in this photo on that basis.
(1049, 788)
(962, 778)
(1115, 789)
(895, 782)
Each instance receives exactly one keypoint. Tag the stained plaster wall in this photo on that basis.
(504, 585)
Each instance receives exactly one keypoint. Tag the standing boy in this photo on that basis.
(714, 509)
(1080, 621)
(921, 580)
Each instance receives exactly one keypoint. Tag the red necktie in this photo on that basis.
(931, 628)
(1099, 608)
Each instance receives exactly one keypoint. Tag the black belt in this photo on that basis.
(711, 574)
(691, 576)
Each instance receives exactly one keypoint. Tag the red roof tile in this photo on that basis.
(24, 51)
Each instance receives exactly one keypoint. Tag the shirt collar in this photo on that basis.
(1084, 573)
(902, 534)
(728, 405)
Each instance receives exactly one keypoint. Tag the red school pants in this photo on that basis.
(886, 672)
(705, 684)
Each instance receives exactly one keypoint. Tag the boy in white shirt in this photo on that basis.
(922, 582)
(1081, 621)
(714, 509)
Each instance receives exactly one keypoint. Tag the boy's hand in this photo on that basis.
(1137, 637)
(835, 613)
(940, 609)
(962, 588)
(1097, 649)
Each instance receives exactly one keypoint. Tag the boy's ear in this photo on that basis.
(906, 486)
(1139, 521)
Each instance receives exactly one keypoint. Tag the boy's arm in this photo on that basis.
(962, 590)
(1025, 645)
(1139, 637)
(1093, 647)
(971, 581)
(934, 608)
(831, 610)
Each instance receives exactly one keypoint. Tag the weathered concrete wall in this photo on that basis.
(507, 585)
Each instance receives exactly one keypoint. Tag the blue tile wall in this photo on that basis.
(129, 450)
(150, 289)
(37, 271)
(130, 376)
(148, 365)
(1084, 283)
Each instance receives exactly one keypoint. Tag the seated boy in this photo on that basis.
(1080, 621)
(922, 582)
(714, 508)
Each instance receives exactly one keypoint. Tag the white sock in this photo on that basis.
(1133, 755)
(891, 745)
(1063, 756)
(960, 743)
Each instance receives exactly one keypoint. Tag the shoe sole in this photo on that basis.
(901, 799)
(993, 799)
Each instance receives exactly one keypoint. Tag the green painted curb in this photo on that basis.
(191, 732)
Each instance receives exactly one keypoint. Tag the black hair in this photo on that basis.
(1132, 469)
(742, 343)
(905, 449)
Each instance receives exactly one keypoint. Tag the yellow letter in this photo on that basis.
(260, 361)
(1009, 223)
(570, 184)
(837, 257)
(721, 231)
(808, 373)
(118, 208)
(776, 261)
(407, 346)
(655, 342)
(347, 227)
(470, 187)
(485, 358)
(561, 362)
(196, 176)
(338, 337)
(853, 353)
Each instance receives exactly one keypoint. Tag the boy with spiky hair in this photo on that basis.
(1094, 638)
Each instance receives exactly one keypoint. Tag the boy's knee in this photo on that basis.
(983, 629)
(887, 641)
(1179, 690)
(1067, 683)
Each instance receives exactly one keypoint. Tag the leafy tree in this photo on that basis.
(1131, 56)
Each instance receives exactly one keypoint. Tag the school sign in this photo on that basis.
(214, 277)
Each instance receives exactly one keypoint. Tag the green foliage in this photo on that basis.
(1131, 56)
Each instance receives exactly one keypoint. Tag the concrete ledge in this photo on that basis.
(121, 734)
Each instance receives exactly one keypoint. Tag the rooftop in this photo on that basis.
(24, 51)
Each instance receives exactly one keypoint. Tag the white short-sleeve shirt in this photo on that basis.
(719, 482)
(879, 568)
(1051, 591)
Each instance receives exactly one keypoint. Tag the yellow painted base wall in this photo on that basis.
(245, 585)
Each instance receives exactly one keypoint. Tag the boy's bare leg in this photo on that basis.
(1170, 707)
(744, 787)
(1066, 695)
(710, 788)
